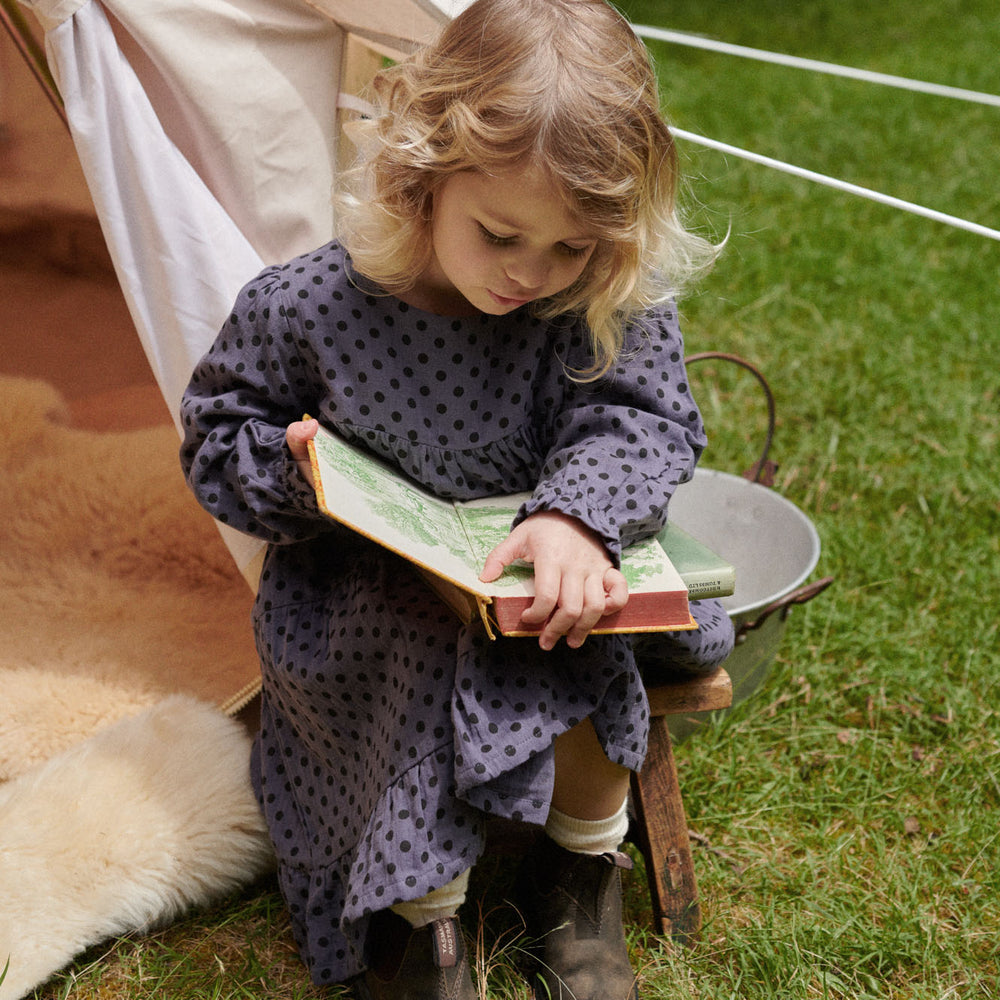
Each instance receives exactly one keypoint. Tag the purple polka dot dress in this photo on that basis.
(389, 729)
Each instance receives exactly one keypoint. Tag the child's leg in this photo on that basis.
(663, 656)
(569, 888)
(587, 784)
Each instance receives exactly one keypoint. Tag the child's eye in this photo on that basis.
(571, 251)
(492, 238)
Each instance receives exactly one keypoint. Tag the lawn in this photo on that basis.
(848, 841)
(847, 838)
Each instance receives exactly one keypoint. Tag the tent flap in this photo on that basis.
(207, 134)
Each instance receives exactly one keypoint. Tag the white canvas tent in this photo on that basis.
(208, 137)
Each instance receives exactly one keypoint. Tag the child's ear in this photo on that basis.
(432, 184)
(427, 212)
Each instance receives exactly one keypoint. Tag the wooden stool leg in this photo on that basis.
(656, 797)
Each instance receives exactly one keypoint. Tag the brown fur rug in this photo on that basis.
(124, 634)
(115, 588)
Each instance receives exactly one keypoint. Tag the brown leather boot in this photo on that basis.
(426, 963)
(572, 906)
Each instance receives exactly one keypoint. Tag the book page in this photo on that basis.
(487, 523)
(448, 539)
(368, 495)
(647, 568)
(645, 565)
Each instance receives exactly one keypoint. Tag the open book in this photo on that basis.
(450, 540)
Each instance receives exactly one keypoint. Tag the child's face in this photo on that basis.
(500, 242)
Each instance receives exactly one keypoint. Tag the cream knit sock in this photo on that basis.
(437, 904)
(588, 836)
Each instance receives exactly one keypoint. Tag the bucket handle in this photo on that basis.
(762, 471)
(798, 596)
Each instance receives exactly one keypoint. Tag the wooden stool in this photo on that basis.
(662, 832)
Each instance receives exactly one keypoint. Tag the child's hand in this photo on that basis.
(296, 437)
(575, 581)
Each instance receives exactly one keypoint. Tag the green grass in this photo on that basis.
(849, 809)
(846, 816)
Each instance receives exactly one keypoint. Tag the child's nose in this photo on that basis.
(528, 272)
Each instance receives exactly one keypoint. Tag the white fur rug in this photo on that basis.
(124, 626)
(123, 832)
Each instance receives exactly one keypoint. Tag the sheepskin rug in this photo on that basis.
(122, 833)
(124, 632)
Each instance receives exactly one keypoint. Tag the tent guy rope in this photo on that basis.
(816, 66)
(834, 182)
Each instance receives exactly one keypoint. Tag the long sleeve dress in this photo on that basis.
(389, 729)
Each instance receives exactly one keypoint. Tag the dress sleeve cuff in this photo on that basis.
(597, 521)
(301, 496)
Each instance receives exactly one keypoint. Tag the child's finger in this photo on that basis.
(615, 590)
(548, 594)
(581, 604)
(500, 558)
(594, 608)
(297, 434)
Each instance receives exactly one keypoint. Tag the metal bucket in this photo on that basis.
(773, 547)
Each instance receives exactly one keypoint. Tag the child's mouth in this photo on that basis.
(508, 303)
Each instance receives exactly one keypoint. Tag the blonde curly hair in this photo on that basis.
(565, 84)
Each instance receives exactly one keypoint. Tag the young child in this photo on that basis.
(496, 317)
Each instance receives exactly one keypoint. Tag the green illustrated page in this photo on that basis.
(359, 490)
(645, 565)
(376, 500)
(646, 568)
(487, 523)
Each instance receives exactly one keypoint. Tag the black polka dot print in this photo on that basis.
(389, 729)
